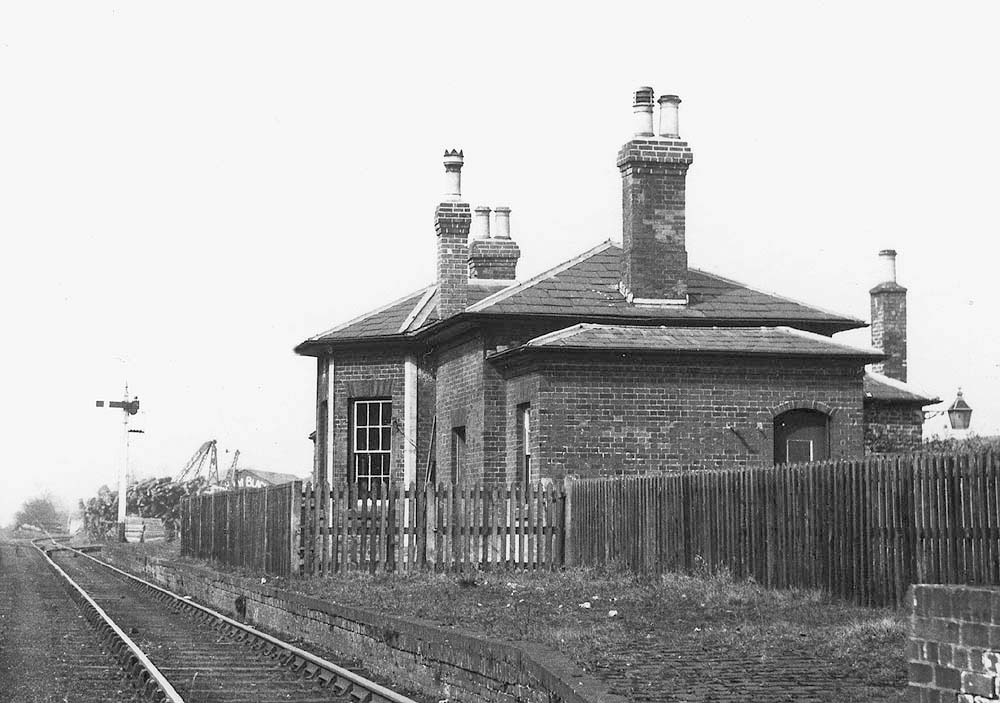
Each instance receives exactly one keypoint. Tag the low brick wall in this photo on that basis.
(954, 648)
(449, 665)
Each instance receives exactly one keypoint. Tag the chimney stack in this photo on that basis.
(654, 172)
(494, 257)
(452, 219)
(888, 301)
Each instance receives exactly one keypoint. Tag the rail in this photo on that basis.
(344, 681)
(152, 682)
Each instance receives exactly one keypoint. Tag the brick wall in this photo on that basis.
(365, 374)
(954, 649)
(517, 391)
(893, 427)
(459, 401)
(601, 415)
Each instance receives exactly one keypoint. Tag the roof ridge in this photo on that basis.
(827, 340)
(370, 313)
(543, 276)
(901, 385)
(428, 294)
(779, 296)
(557, 335)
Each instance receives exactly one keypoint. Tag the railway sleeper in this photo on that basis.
(346, 682)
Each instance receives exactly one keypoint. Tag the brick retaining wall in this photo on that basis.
(450, 665)
(954, 648)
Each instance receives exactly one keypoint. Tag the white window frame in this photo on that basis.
(383, 450)
(788, 448)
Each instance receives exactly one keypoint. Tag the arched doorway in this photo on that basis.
(801, 435)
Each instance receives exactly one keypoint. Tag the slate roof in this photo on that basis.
(741, 341)
(586, 287)
(884, 388)
(404, 315)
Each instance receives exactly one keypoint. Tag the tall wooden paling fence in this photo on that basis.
(864, 530)
(255, 528)
(395, 528)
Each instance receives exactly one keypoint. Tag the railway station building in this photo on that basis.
(621, 360)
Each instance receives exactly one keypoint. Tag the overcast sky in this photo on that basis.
(189, 189)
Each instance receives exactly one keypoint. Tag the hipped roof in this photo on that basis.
(586, 288)
(735, 341)
(883, 388)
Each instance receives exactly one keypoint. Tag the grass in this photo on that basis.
(597, 618)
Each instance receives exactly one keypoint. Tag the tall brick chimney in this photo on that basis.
(452, 219)
(889, 320)
(654, 169)
(494, 257)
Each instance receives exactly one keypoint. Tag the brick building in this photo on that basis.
(622, 359)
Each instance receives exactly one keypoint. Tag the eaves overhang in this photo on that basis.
(441, 331)
(508, 356)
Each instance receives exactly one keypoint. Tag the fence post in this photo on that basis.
(294, 520)
(430, 555)
(569, 538)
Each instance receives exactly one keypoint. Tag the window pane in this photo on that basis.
(800, 450)
(361, 462)
(386, 438)
(361, 440)
(373, 438)
(373, 414)
(360, 413)
(386, 412)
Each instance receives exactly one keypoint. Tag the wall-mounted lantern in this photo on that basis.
(959, 413)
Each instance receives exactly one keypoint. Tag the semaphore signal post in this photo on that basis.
(128, 408)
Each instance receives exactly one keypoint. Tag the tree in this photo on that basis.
(41, 512)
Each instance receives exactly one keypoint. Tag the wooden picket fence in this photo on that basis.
(396, 528)
(255, 528)
(863, 530)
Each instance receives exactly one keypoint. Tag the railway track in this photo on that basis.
(178, 651)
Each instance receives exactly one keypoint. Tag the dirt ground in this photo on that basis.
(669, 639)
(48, 652)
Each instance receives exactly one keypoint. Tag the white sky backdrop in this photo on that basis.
(188, 189)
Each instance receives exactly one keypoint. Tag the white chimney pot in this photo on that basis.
(482, 223)
(642, 106)
(669, 110)
(503, 222)
(453, 161)
(888, 257)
